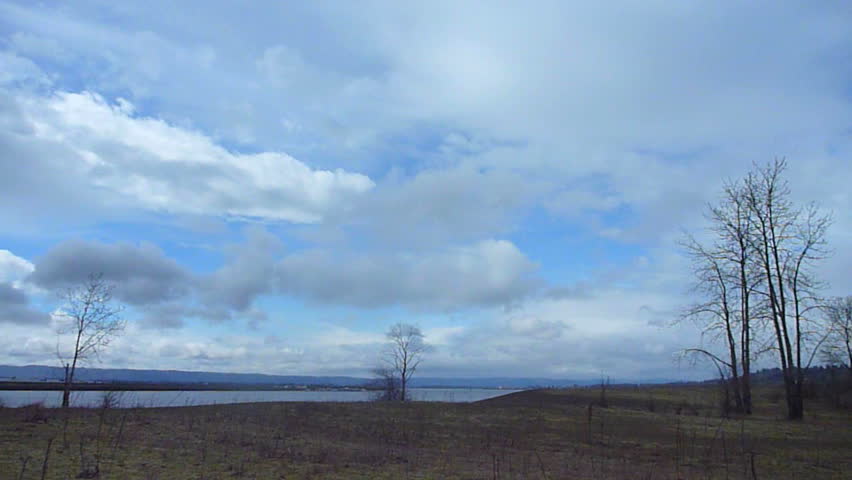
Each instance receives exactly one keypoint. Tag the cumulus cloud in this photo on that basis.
(579, 338)
(10, 295)
(491, 272)
(141, 273)
(487, 273)
(146, 163)
(437, 206)
(248, 272)
(164, 293)
(13, 267)
(14, 307)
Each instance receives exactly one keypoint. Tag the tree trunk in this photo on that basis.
(746, 362)
(735, 378)
(403, 379)
(66, 391)
(746, 382)
(848, 337)
(745, 337)
(796, 404)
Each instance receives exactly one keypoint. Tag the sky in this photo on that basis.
(270, 186)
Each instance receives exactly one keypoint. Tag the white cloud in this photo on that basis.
(147, 163)
(486, 273)
(15, 292)
(13, 268)
(142, 274)
(443, 205)
(491, 272)
(579, 338)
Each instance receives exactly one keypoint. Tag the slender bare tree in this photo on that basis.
(715, 314)
(838, 348)
(787, 242)
(402, 355)
(92, 320)
(732, 223)
(758, 269)
(725, 283)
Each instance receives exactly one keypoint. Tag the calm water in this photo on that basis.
(17, 398)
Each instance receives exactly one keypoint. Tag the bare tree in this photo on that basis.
(725, 283)
(93, 320)
(401, 357)
(787, 242)
(733, 223)
(838, 348)
(715, 313)
(758, 269)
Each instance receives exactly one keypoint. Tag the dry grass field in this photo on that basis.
(664, 432)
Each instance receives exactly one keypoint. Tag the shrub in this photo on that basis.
(35, 413)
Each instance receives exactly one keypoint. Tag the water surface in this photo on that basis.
(17, 398)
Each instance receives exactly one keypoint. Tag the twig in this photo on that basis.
(24, 462)
(46, 458)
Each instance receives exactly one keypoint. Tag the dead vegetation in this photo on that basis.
(650, 432)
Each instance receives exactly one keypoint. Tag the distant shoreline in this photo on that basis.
(202, 387)
(142, 386)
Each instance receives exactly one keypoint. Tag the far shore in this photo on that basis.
(200, 387)
(142, 386)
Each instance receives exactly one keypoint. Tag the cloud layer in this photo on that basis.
(488, 273)
(275, 185)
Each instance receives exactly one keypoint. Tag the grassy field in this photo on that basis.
(661, 432)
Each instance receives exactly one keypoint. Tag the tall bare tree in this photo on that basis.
(758, 268)
(787, 242)
(92, 320)
(715, 312)
(402, 355)
(732, 223)
(726, 284)
(838, 348)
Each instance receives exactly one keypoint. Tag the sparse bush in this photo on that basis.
(774, 396)
(35, 413)
(651, 403)
(110, 399)
(685, 408)
(602, 400)
(89, 464)
(387, 386)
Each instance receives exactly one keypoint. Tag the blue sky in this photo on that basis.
(271, 186)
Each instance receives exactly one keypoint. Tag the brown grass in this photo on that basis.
(651, 432)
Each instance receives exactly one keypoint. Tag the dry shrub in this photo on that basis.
(35, 413)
